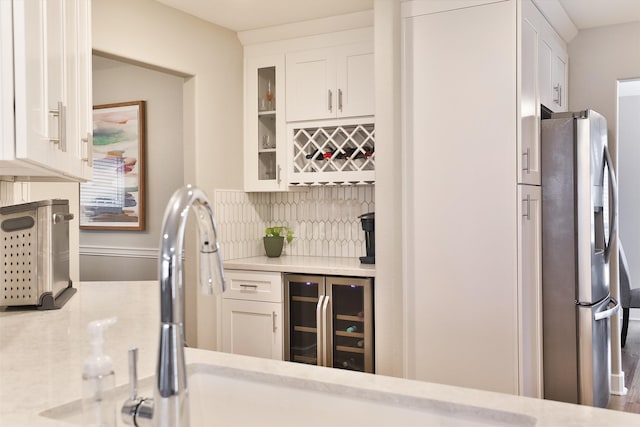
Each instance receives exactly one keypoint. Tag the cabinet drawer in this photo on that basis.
(253, 285)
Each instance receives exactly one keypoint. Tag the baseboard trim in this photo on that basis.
(118, 251)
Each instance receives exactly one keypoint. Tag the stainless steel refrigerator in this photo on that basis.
(578, 228)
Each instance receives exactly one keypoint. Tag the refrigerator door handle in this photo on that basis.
(319, 334)
(326, 334)
(613, 221)
(608, 313)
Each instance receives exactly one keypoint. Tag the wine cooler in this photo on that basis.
(329, 321)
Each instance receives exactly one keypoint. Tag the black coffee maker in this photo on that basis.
(368, 225)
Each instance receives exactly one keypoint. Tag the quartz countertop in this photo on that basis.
(337, 266)
(41, 355)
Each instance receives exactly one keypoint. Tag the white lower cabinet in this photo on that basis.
(252, 316)
(530, 290)
(252, 328)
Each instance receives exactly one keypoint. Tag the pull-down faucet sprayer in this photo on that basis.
(170, 404)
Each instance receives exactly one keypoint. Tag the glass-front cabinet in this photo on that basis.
(329, 321)
(264, 140)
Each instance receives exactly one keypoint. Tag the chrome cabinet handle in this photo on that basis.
(248, 285)
(273, 320)
(330, 100)
(61, 114)
(278, 177)
(62, 119)
(527, 155)
(340, 99)
(527, 213)
(89, 147)
(558, 94)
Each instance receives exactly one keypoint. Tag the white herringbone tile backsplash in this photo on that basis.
(324, 220)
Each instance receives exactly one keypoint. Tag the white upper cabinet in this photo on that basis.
(330, 82)
(264, 124)
(552, 60)
(559, 80)
(51, 88)
(543, 71)
(531, 53)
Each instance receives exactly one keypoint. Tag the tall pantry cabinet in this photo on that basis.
(472, 198)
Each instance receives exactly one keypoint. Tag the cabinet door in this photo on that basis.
(49, 107)
(265, 137)
(461, 278)
(31, 84)
(311, 85)
(355, 85)
(303, 337)
(79, 91)
(530, 294)
(6, 81)
(545, 54)
(252, 328)
(559, 81)
(529, 158)
(350, 323)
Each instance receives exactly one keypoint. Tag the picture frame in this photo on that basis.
(115, 198)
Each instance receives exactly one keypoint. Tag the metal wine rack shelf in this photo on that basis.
(333, 155)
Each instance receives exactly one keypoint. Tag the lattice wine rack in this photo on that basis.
(325, 155)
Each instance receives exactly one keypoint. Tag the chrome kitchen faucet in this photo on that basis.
(170, 404)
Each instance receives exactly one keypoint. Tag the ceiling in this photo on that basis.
(598, 13)
(241, 15)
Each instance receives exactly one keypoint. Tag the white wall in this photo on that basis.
(629, 177)
(148, 32)
(116, 81)
(598, 58)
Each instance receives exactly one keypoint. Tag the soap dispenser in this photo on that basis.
(98, 380)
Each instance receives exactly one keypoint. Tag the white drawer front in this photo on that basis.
(253, 285)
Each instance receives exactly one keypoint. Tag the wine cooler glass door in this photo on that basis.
(305, 295)
(350, 345)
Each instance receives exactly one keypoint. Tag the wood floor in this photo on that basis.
(630, 357)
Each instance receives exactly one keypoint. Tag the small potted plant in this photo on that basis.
(274, 239)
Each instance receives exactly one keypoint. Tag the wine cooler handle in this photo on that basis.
(326, 333)
(613, 221)
(319, 349)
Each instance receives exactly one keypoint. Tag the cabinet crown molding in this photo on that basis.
(313, 27)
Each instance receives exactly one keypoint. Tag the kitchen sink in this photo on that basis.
(233, 397)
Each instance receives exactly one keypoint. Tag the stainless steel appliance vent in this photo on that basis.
(19, 237)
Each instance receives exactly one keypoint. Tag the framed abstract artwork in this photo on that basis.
(115, 198)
